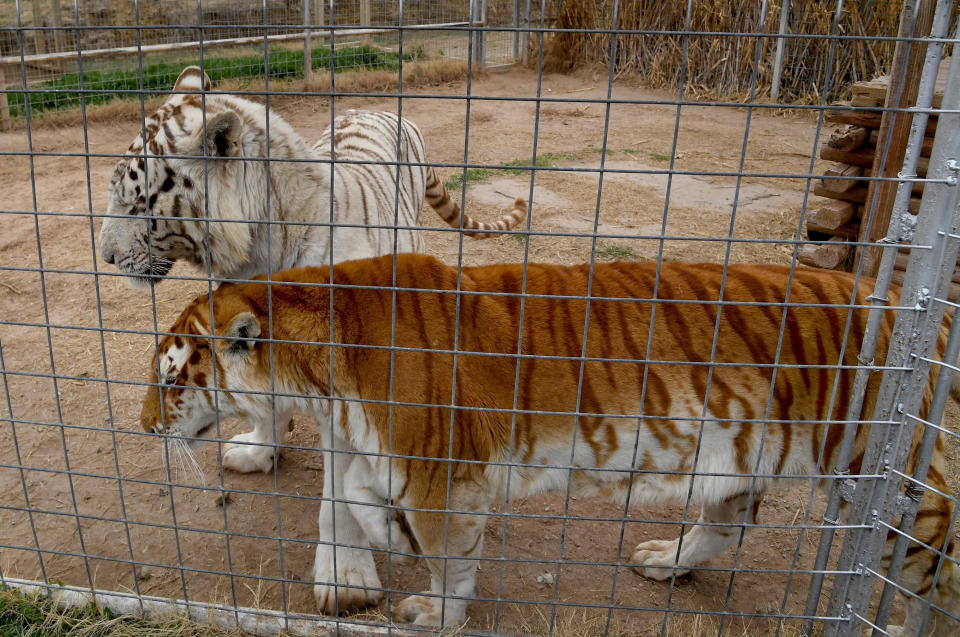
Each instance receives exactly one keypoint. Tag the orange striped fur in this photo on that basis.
(486, 341)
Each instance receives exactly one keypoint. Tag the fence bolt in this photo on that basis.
(953, 166)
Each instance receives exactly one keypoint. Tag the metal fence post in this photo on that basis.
(482, 40)
(525, 51)
(478, 16)
(875, 501)
(39, 39)
(778, 57)
(4, 103)
(516, 32)
(57, 22)
(365, 13)
(307, 45)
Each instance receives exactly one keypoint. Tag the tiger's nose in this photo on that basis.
(107, 254)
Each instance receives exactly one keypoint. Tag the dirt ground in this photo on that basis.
(117, 503)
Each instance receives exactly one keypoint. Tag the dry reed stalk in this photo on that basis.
(723, 65)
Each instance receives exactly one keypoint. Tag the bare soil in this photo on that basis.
(117, 503)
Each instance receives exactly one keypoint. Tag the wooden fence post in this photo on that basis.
(895, 126)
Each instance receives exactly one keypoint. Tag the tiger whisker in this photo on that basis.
(184, 460)
(159, 266)
(192, 465)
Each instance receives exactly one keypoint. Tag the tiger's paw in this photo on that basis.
(353, 586)
(893, 631)
(657, 560)
(427, 611)
(248, 458)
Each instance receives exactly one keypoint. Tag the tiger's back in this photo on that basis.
(692, 358)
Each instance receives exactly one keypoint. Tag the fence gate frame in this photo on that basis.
(883, 491)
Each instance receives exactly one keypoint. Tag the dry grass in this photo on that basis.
(425, 73)
(29, 615)
(723, 65)
(415, 74)
(22, 615)
(584, 622)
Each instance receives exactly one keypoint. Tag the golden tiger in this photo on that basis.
(400, 364)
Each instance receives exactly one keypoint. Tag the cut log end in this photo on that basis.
(830, 256)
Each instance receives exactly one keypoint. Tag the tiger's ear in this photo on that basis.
(192, 78)
(223, 135)
(243, 326)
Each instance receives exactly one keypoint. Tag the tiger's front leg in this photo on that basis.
(344, 574)
(254, 451)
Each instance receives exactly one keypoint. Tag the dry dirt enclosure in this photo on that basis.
(88, 534)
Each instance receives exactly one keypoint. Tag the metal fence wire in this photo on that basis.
(637, 400)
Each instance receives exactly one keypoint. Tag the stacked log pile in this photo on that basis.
(835, 215)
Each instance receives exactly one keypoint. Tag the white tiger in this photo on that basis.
(197, 193)
(189, 195)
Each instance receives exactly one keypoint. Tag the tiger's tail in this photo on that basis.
(449, 210)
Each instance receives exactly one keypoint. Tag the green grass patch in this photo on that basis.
(520, 237)
(455, 182)
(25, 615)
(63, 92)
(615, 252)
(543, 160)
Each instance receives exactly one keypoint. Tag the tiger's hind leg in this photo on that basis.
(920, 568)
(450, 544)
(717, 530)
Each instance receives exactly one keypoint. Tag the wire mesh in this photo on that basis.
(704, 170)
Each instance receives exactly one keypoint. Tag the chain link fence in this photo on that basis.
(645, 401)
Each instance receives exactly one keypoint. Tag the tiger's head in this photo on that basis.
(220, 365)
(157, 205)
(195, 367)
